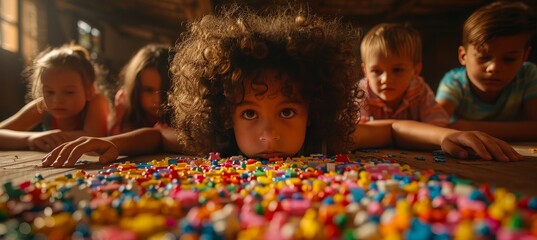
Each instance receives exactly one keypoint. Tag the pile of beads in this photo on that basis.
(314, 197)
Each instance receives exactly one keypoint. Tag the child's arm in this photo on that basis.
(524, 130)
(13, 140)
(24, 140)
(27, 118)
(416, 135)
(140, 141)
(96, 122)
(510, 131)
(15, 134)
(447, 105)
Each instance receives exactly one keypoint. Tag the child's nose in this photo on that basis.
(57, 98)
(384, 78)
(269, 133)
(156, 96)
(492, 66)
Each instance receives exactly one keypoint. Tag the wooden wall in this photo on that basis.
(441, 33)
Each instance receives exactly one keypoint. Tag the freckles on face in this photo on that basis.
(63, 92)
(270, 125)
(150, 84)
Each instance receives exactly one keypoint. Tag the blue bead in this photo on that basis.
(357, 194)
(532, 203)
(298, 196)
(328, 200)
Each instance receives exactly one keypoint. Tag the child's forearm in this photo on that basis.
(417, 135)
(399, 133)
(137, 142)
(509, 131)
(13, 140)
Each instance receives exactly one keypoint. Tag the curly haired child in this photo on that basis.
(65, 105)
(144, 81)
(280, 84)
(392, 62)
(496, 90)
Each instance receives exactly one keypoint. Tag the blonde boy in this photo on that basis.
(391, 62)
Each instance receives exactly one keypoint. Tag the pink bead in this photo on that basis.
(251, 219)
(296, 207)
(186, 198)
(288, 191)
(453, 217)
(273, 231)
(465, 203)
(111, 233)
(374, 208)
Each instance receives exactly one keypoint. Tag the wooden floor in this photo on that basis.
(18, 166)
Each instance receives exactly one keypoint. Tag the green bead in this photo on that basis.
(259, 209)
(340, 220)
(348, 235)
(516, 221)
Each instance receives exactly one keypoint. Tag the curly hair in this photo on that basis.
(211, 67)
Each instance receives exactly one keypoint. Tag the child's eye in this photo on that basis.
(509, 59)
(249, 114)
(287, 113)
(398, 70)
(376, 72)
(483, 59)
(149, 90)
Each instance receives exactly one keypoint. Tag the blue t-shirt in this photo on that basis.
(455, 88)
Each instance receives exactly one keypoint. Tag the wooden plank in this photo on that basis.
(19, 166)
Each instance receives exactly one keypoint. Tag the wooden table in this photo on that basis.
(17, 166)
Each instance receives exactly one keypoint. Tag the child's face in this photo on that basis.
(493, 70)
(388, 77)
(64, 93)
(150, 91)
(272, 124)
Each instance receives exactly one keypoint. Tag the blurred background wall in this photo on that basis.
(114, 29)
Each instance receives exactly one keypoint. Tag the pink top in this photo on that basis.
(120, 108)
(418, 104)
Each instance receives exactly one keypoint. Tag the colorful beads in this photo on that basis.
(315, 197)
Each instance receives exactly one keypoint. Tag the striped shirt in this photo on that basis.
(455, 88)
(418, 104)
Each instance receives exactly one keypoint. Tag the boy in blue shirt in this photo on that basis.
(496, 90)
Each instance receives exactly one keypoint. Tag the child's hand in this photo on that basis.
(68, 153)
(45, 141)
(484, 145)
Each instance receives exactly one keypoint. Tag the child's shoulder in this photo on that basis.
(526, 75)
(529, 68)
(457, 74)
(27, 117)
(98, 100)
(36, 107)
(457, 71)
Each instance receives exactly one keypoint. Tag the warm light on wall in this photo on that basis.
(9, 30)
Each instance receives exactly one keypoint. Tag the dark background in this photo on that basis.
(127, 25)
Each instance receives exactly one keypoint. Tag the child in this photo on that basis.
(266, 86)
(496, 91)
(391, 62)
(65, 103)
(145, 81)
